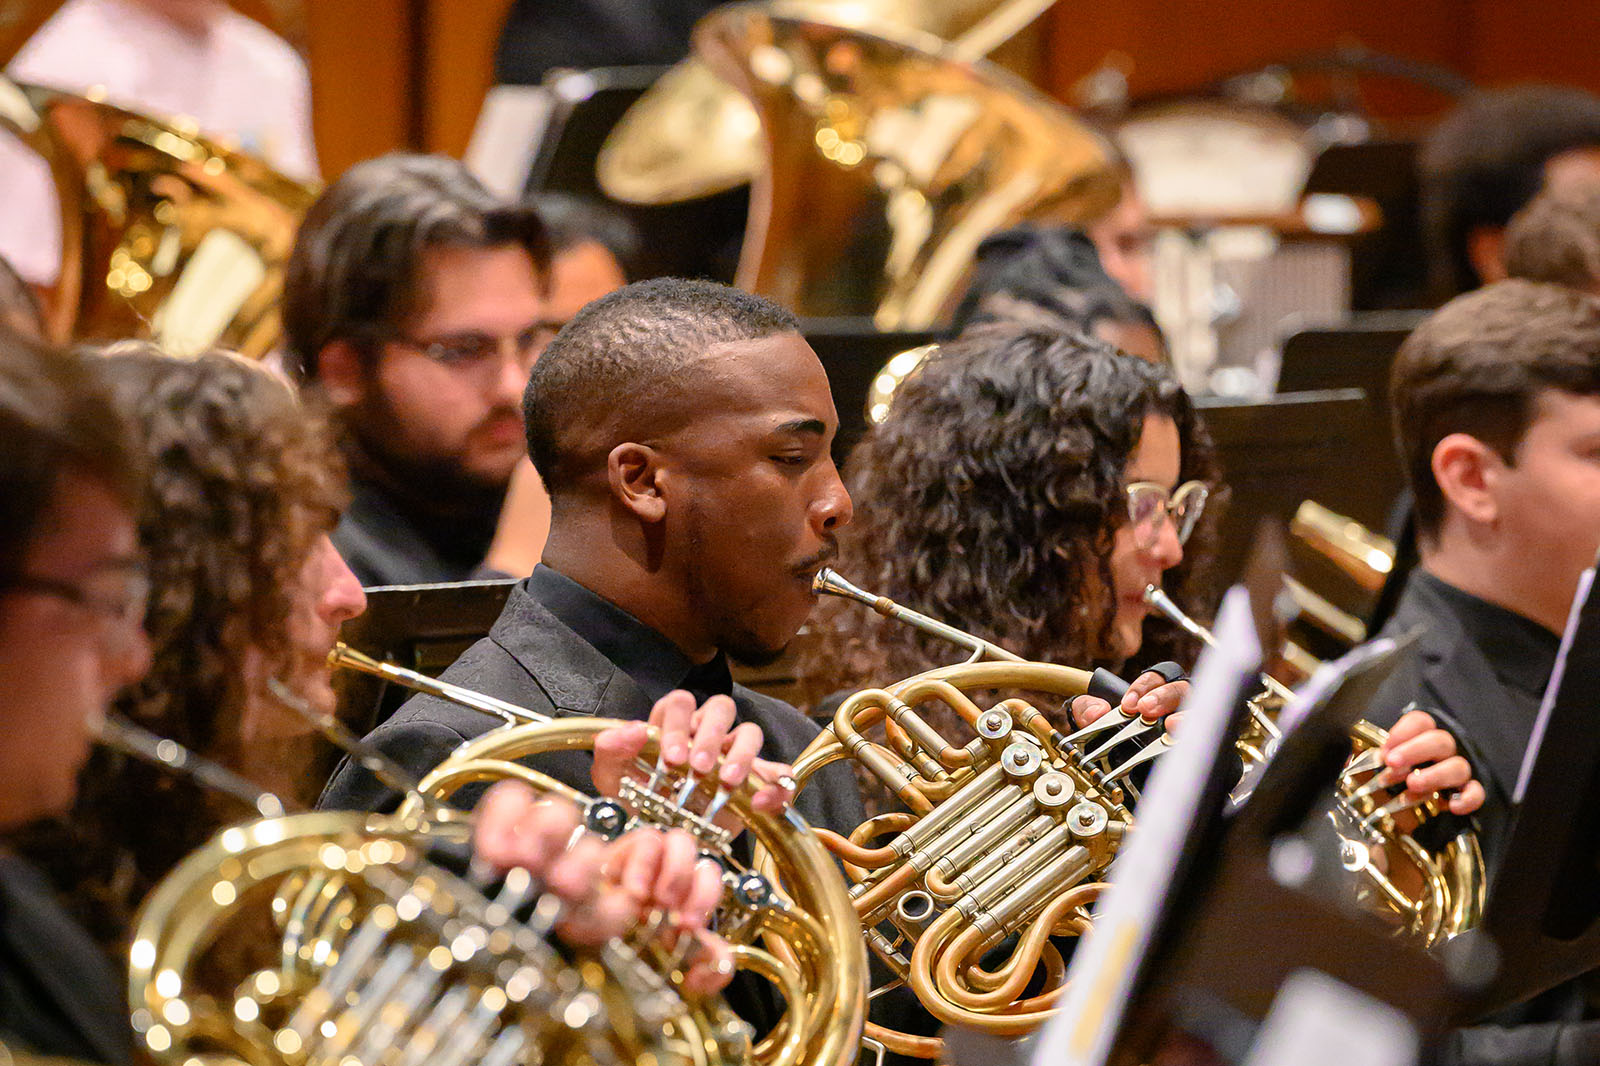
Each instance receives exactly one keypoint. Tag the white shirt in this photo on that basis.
(239, 81)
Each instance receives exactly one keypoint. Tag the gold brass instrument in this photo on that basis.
(814, 954)
(1011, 833)
(1430, 894)
(692, 134)
(336, 937)
(1364, 556)
(165, 234)
(891, 157)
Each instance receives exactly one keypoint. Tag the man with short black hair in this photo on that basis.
(1497, 413)
(1556, 238)
(416, 302)
(682, 429)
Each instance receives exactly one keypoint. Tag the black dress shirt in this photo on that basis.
(58, 992)
(388, 540)
(1481, 670)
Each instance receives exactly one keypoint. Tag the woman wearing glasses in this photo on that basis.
(1027, 485)
(1020, 489)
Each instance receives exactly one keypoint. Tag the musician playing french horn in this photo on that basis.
(72, 633)
(1028, 485)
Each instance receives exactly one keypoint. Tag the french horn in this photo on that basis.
(794, 927)
(1005, 840)
(343, 938)
(166, 234)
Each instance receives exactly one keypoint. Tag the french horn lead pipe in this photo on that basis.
(1155, 597)
(345, 656)
(119, 734)
(828, 582)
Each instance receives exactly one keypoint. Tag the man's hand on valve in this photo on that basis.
(1423, 755)
(694, 740)
(609, 888)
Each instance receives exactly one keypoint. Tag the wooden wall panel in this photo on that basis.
(390, 74)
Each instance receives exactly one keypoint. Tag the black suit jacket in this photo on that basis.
(530, 658)
(58, 993)
(1450, 678)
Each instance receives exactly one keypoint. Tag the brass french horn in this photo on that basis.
(1010, 835)
(166, 234)
(357, 939)
(802, 937)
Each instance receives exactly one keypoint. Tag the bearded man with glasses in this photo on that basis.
(417, 303)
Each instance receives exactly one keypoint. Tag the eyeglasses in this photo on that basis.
(471, 351)
(116, 595)
(1148, 502)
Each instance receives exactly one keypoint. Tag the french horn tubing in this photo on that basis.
(802, 937)
(1006, 839)
(333, 937)
(1430, 893)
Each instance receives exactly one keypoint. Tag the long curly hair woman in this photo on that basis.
(244, 487)
(1000, 494)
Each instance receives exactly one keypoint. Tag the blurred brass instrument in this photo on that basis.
(1364, 556)
(336, 937)
(813, 952)
(891, 155)
(166, 234)
(1011, 834)
(1430, 894)
(692, 134)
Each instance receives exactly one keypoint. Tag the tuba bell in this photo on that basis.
(166, 234)
(891, 156)
(1010, 835)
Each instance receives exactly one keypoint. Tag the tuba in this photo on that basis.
(1005, 840)
(793, 927)
(166, 234)
(891, 156)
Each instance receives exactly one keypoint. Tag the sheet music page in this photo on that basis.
(1104, 966)
(1316, 1020)
(1547, 705)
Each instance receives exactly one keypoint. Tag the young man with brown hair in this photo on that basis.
(1497, 412)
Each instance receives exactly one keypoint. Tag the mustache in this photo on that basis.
(829, 552)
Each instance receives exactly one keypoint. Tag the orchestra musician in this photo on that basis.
(73, 599)
(1028, 484)
(415, 302)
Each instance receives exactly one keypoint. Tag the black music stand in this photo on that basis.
(852, 351)
(1278, 452)
(695, 238)
(1356, 355)
(420, 627)
(1543, 904)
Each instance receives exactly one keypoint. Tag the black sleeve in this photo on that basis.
(418, 746)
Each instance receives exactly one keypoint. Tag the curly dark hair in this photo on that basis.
(989, 498)
(243, 480)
